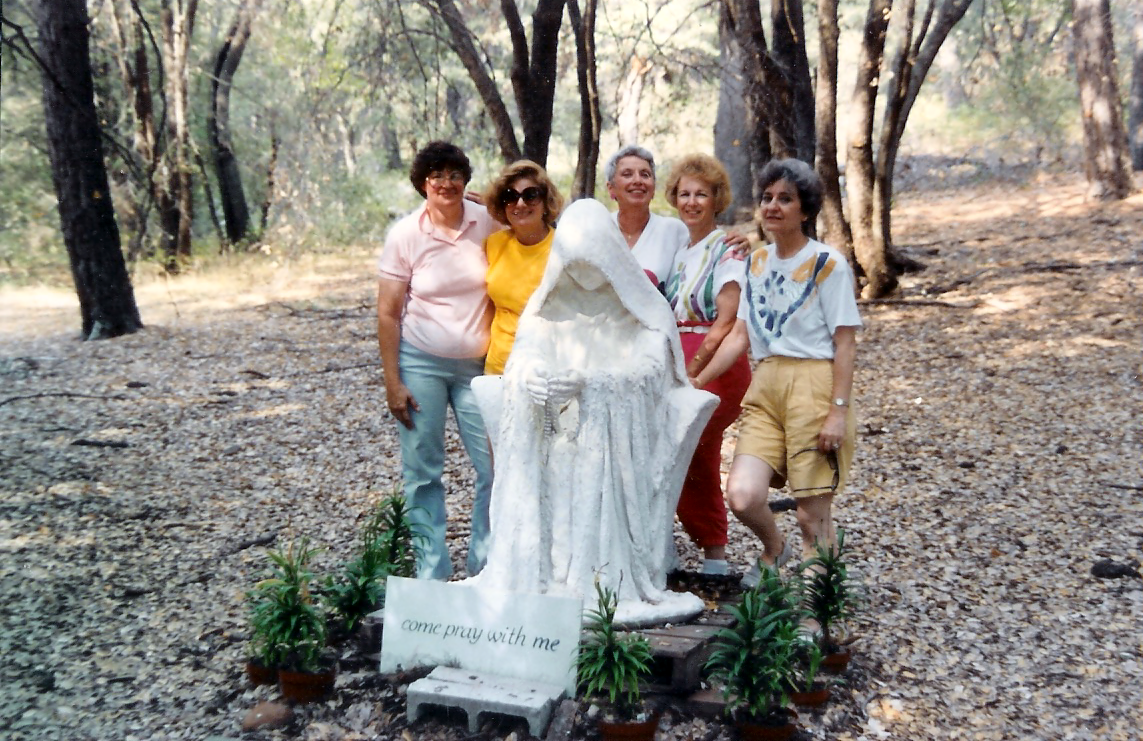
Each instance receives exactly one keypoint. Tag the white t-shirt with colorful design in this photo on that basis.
(699, 272)
(793, 306)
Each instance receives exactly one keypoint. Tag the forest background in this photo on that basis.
(285, 127)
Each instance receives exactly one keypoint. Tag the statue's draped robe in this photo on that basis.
(591, 485)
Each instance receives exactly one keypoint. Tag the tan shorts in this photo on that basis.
(782, 413)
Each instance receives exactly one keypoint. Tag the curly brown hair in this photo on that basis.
(707, 169)
(553, 202)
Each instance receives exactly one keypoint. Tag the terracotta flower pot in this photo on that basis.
(630, 730)
(750, 731)
(837, 661)
(259, 674)
(304, 686)
(811, 699)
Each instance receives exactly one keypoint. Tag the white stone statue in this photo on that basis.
(593, 425)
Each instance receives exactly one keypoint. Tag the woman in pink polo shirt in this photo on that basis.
(433, 318)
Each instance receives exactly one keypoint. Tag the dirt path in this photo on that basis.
(999, 458)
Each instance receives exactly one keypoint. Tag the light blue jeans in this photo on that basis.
(438, 383)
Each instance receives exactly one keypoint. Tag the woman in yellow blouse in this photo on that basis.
(524, 198)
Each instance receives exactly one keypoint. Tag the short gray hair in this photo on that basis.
(631, 150)
(804, 178)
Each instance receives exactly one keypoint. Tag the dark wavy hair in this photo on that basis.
(436, 156)
(804, 179)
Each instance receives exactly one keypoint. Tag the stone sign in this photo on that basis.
(510, 634)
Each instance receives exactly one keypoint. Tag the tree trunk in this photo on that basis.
(590, 120)
(859, 170)
(466, 50)
(1135, 111)
(730, 134)
(789, 53)
(235, 212)
(835, 227)
(886, 156)
(910, 68)
(627, 117)
(176, 202)
(534, 77)
(87, 218)
(1106, 160)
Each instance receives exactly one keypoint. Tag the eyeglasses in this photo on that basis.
(831, 458)
(437, 178)
(531, 195)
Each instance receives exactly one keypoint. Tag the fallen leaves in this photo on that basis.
(999, 461)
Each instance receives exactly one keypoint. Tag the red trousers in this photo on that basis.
(702, 509)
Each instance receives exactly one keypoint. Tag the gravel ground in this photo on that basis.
(999, 458)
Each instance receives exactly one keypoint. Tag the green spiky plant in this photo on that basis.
(612, 662)
(287, 625)
(753, 659)
(389, 545)
(829, 595)
(398, 538)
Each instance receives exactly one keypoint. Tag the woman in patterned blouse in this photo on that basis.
(703, 288)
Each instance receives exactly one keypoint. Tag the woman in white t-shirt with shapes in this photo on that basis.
(798, 316)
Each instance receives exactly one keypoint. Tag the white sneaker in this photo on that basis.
(714, 566)
(753, 577)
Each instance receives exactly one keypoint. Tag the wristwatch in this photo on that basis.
(839, 402)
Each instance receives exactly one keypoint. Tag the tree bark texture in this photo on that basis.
(789, 54)
(135, 71)
(590, 117)
(465, 49)
(1106, 160)
(834, 225)
(176, 198)
(768, 97)
(235, 211)
(87, 218)
(730, 135)
(1135, 109)
(627, 115)
(910, 67)
(859, 171)
(534, 76)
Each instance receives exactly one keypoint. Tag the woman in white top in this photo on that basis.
(703, 289)
(798, 314)
(653, 239)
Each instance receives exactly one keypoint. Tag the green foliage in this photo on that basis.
(1013, 67)
(390, 542)
(754, 659)
(809, 658)
(611, 662)
(288, 627)
(829, 596)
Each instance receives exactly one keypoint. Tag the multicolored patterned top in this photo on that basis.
(698, 273)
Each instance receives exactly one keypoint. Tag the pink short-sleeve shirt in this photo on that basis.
(446, 307)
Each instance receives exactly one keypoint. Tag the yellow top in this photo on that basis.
(514, 272)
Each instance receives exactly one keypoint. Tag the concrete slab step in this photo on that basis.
(477, 693)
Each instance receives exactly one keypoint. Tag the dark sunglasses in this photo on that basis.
(531, 195)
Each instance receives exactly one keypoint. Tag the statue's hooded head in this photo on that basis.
(590, 262)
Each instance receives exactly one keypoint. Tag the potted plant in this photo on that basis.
(808, 690)
(289, 626)
(610, 666)
(389, 546)
(830, 596)
(753, 659)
